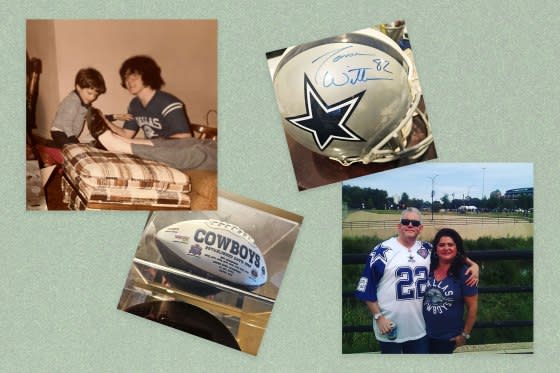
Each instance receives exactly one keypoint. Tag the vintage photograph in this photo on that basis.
(351, 105)
(438, 258)
(213, 274)
(121, 114)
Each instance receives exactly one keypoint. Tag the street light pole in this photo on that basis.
(483, 173)
(433, 180)
(469, 191)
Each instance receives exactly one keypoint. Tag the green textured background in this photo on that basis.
(490, 77)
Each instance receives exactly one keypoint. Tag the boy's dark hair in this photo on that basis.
(90, 78)
(146, 67)
(458, 261)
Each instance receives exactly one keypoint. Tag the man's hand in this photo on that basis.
(383, 324)
(123, 117)
(474, 271)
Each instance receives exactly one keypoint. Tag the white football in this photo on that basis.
(213, 248)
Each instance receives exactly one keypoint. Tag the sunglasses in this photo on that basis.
(415, 223)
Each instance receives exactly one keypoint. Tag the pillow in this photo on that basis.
(102, 169)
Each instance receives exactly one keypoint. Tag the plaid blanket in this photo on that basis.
(98, 168)
(99, 176)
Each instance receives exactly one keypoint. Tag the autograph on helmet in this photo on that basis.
(351, 74)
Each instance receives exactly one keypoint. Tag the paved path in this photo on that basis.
(499, 348)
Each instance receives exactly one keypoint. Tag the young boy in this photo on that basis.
(69, 119)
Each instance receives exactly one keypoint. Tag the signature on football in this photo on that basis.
(348, 75)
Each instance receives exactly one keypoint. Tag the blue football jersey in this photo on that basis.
(164, 116)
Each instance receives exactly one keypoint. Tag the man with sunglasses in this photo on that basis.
(393, 285)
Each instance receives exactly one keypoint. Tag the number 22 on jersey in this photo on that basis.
(411, 283)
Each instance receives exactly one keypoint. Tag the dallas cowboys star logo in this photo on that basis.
(378, 254)
(326, 122)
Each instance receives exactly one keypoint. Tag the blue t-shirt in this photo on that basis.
(443, 306)
(164, 116)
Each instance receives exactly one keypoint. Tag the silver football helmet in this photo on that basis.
(351, 98)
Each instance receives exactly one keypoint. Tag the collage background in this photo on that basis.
(491, 83)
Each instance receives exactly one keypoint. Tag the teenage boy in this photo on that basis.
(159, 114)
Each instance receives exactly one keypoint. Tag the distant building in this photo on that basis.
(470, 208)
(516, 193)
(496, 194)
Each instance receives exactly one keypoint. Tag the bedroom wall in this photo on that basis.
(186, 51)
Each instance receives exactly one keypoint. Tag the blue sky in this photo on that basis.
(463, 179)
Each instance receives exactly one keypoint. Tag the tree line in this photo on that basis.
(367, 198)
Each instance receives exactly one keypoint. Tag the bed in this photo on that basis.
(95, 179)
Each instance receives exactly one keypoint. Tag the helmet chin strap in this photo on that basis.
(378, 154)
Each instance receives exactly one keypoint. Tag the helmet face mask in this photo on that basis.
(349, 98)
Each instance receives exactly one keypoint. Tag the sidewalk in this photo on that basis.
(499, 348)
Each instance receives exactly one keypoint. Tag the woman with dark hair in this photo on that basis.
(447, 294)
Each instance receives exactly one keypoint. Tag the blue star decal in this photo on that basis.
(378, 254)
(326, 122)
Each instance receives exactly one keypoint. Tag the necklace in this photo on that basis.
(410, 257)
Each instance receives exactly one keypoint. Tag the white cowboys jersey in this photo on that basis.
(396, 278)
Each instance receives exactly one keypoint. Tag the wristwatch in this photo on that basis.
(466, 335)
(377, 316)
